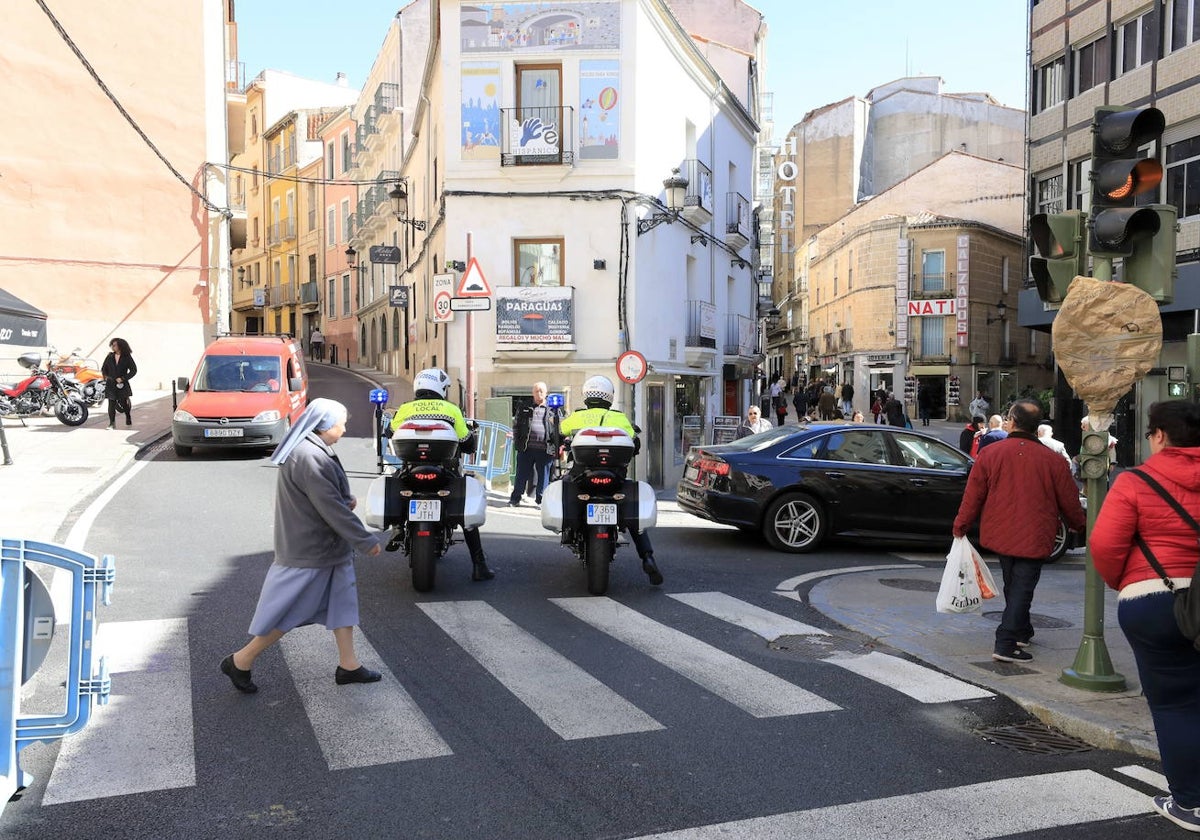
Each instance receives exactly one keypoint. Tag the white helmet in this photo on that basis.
(599, 388)
(432, 379)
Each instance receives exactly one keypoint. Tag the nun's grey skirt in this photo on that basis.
(293, 597)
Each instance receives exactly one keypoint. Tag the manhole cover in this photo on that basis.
(911, 584)
(1034, 738)
(1044, 622)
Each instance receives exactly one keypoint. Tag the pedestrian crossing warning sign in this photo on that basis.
(473, 283)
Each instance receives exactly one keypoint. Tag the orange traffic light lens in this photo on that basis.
(1122, 191)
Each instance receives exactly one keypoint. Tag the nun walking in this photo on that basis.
(316, 535)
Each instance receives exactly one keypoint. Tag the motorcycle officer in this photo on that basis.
(430, 387)
(598, 396)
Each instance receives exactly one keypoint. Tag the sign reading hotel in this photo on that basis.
(534, 315)
(938, 306)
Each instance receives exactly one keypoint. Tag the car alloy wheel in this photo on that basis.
(795, 522)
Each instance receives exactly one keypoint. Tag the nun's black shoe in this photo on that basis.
(240, 679)
(361, 674)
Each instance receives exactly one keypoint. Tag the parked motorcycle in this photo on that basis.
(80, 375)
(42, 390)
(426, 498)
(593, 500)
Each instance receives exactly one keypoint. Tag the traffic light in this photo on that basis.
(1119, 176)
(1151, 263)
(1058, 238)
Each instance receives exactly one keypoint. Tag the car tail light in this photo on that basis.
(712, 465)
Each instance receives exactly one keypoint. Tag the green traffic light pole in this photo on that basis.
(1092, 669)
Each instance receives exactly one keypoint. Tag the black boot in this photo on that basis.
(480, 570)
(651, 570)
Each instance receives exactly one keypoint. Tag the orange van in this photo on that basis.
(246, 392)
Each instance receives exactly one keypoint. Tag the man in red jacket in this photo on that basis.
(1017, 490)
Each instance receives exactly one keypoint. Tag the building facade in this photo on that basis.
(1134, 53)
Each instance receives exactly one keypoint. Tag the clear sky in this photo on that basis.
(817, 51)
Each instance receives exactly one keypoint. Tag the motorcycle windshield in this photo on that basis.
(238, 373)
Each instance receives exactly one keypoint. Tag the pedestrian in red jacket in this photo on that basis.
(1017, 491)
(1168, 663)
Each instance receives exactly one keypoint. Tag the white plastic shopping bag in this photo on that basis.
(966, 581)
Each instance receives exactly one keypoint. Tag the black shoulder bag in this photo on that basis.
(1187, 601)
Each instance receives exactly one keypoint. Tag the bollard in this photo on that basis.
(27, 628)
(4, 446)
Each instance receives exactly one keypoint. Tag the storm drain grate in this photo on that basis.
(1036, 738)
(911, 584)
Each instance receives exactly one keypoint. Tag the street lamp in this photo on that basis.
(675, 188)
(241, 275)
(1001, 313)
(351, 256)
(399, 197)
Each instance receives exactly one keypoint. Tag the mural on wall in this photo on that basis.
(599, 111)
(492, 27)
(480, 110)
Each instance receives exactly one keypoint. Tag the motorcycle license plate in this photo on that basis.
(605, 514)
(211, 433)
(424, 510)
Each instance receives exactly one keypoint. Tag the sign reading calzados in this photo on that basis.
(535, 315)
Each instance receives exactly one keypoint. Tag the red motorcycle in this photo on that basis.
(42, 390)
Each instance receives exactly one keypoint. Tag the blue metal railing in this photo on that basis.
(492, 457)
(91, 583)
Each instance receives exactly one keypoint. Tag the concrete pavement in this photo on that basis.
(57, 469)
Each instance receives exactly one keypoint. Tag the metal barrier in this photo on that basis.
(27, 627)
(495, 449)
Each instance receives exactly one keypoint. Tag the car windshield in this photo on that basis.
(929, 454)
(238, 373)
(760, 441)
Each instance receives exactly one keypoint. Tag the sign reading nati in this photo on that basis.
(389, 254)
(940, 306)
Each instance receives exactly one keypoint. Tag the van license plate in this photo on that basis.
(601, 514)
(424, 510)
(211, 433)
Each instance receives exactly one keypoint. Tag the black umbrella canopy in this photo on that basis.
(21, 323)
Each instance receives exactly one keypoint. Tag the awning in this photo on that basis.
(21, 323)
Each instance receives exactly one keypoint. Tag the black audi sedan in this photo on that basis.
(796, 485)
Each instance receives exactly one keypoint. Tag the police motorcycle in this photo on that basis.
(421, 495)
(590, 500)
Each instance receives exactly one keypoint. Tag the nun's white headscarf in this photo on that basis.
(320, 415)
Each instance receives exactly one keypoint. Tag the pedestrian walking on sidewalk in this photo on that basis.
(316, 535)
(118, 369)
(1135, 518)
(754, 423)
(1017, 491)
(535, 437)
(316, 343)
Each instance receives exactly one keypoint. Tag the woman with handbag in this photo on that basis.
(1135, 524)
(118, 369)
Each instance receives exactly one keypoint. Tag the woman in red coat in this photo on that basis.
(1168, 664)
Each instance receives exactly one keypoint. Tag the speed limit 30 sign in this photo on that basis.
(439, 298)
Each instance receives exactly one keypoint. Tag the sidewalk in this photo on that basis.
(56, 469)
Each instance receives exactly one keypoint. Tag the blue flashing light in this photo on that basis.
(379, 396)
(555, 400)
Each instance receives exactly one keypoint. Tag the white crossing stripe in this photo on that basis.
(356, 725)
(761, 622)
(143, 739)
(758, 692)
(1144, 774)
(568, 699)
(917, 681)
(971, 812)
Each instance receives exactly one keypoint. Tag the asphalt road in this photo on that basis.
(519, 707)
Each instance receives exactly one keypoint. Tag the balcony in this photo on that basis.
(737, 221)
(387, 98)
(543, 136)
(740, 335)
(284, 157)
(1008, 353)
(698, 202)
(309, 296)
(845, 340)
(282, 295)
(700, 343)
(932, 350)
(283, 230)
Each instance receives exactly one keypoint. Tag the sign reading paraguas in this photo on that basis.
(535, 315)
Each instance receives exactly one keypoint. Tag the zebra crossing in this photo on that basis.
(143, 740)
